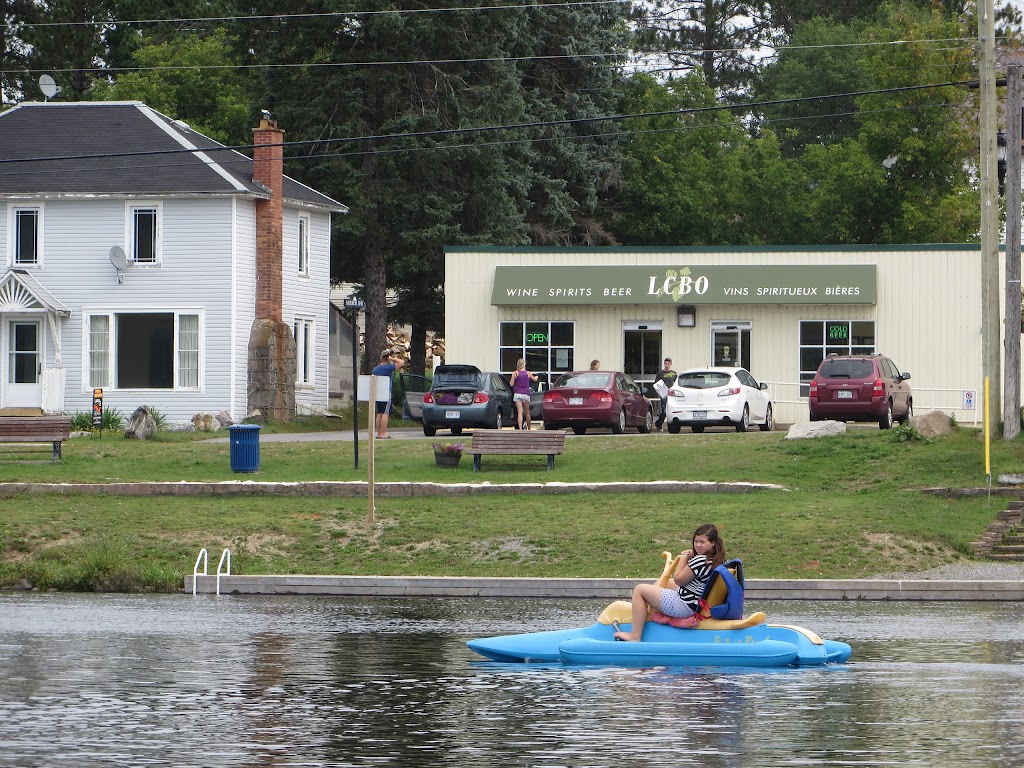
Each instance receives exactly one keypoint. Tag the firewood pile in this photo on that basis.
(400, 340)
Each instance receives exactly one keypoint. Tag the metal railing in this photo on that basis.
(225, 557)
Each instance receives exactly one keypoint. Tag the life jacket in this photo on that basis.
(723, 594)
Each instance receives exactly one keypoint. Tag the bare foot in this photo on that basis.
(627, 637)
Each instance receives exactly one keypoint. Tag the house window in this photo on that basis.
(26, 236)
(821, 338)
(303, 245)
(139, 350)
(144, 235)
(303, 352)
(547, 347)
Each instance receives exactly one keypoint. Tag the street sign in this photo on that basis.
(354, 304)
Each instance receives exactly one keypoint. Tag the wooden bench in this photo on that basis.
(36, 429)
(502, 442)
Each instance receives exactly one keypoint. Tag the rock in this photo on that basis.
(180, 426)
(205, 422)
(225, 419)
(141, 425)
(1010, 479)
(807, 429)
(932, 424)
(256, 416)
(25, 585)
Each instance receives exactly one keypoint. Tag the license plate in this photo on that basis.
(700, 414)
(844, 394)
(575, 401)
(452, 414)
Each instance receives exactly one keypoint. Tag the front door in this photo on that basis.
(22, 377)
(730, 344)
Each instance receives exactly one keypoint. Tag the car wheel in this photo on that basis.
(429, 431)
(697, 428)
(768, 422)
(673, 428)
(579, 430)
(886, 421)
(909, 414)
(456, 430)
(648, 424)
(497, 420)
(620, 426)
(744, 422)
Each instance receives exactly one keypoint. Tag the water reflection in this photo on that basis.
(94, 680)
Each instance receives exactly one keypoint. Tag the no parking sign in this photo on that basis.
(970, 396)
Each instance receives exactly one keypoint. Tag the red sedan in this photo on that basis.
(585, 399)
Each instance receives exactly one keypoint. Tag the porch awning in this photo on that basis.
(20, 292)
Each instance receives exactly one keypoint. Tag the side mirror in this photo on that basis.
(763, 385)
(905, 375)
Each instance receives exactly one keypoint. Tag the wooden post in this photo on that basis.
(1012, 298)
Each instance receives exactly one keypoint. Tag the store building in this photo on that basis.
(775, 311)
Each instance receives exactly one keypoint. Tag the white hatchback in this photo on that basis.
(709, 397)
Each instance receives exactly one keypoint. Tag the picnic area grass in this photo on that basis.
(850, 506)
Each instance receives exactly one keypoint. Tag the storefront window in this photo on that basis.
(820, 338)
(547, 347)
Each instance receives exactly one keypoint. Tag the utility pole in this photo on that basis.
(1012, 297)
(990, 348)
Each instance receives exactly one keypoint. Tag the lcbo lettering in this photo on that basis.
(681, 285)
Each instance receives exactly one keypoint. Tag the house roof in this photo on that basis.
(123, 149)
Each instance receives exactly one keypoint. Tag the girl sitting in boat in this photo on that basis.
(682, 597)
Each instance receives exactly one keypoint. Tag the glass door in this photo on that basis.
(730, 344)
(641, 353)
(22, 384)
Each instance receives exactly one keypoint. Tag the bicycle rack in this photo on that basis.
(225, 559)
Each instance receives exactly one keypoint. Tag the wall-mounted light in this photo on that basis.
(686, 316)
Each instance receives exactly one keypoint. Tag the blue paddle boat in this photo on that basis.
(718, 636)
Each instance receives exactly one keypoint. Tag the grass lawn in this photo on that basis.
(851, 507)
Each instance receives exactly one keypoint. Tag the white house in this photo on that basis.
(149, 261)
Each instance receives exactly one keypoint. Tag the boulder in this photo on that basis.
(141, 424)
(932, 424)
(225, 419)
(205, 422)
(180, 426)
(806, 429)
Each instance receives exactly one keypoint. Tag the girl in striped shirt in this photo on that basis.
(682, 598)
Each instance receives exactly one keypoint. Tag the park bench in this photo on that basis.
(505, 442)
(36, 429)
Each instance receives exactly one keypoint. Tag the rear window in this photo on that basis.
(458, 379)
(846, 369)
(583, 380)
(702, 379)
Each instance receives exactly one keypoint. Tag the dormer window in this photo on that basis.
(144, 234)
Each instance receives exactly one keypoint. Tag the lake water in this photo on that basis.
(115, 680)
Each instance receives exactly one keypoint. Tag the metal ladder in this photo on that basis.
(225, 557)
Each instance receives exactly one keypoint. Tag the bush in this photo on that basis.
(81, 421)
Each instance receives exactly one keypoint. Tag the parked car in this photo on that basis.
(860, 388)
(703, 397)
(464, 396)
(414, 388)
(584, 399)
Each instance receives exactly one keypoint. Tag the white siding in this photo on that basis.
(308, 297)
(927, 316)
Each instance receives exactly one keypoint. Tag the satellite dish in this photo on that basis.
(117, 258)
(48, 87)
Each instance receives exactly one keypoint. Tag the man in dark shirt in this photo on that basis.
(668, 376)
(388, 365)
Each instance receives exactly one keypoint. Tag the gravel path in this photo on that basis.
(965, 571)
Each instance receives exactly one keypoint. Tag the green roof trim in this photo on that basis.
(714, 249)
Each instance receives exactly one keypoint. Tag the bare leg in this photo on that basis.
(643, 595)
(519, 413)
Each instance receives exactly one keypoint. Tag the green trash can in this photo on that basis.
(245, 447)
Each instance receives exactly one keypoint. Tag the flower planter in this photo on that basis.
(446, 459)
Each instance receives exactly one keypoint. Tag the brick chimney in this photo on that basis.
(268, 170)
(271, 374)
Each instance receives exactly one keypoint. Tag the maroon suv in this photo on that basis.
(860, 388)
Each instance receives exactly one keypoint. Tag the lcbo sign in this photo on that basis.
(742, 284)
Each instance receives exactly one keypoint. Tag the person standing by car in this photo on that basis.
(520, 381)
(667, 377)
(595, 365)
(388, 365)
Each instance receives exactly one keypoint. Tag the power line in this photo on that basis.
(325, 14)
(483, 129)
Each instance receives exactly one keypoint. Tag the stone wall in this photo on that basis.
(271, 381)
